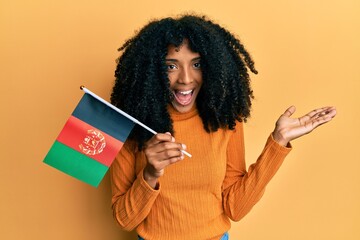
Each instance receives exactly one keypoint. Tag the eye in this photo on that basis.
(197, 65)
(171, 66)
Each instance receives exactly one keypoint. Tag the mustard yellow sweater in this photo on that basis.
(197, 196)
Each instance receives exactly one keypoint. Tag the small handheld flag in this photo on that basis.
(91, 139)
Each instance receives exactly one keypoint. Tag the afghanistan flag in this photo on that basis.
(89, 141)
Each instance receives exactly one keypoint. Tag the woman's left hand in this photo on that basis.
(288, 128)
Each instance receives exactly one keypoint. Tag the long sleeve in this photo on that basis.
(198, 196)
(132, 197)
(243, 189)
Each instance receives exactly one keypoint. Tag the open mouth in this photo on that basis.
(183, 97)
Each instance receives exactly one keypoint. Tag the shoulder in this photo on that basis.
(239, 128)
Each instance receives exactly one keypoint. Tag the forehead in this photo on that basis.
(182, 51)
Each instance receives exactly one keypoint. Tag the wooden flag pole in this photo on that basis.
(124, 114)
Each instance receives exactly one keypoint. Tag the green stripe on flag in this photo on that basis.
(75, 164)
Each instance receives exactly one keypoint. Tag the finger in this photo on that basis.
(168, 146)
(164, 150)
(164, 137)
(329, 111)
(327, 114)
(171, 156)
(317, 112)
(290, 111)
(160, 137)
(312, 115)
(172, 160)
(323, 117)
(320, 121)
(165, 158)
(332, 112)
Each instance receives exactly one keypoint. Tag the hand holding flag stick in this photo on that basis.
(124, 114)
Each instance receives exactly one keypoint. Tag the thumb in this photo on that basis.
(290, 111)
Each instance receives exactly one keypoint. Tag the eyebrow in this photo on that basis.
(175, 60)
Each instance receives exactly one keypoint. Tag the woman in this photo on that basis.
(187, 78)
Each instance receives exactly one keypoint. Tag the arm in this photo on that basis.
(132, 197)
(134, 192)
(243, 189)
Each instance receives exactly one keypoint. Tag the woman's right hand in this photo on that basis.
(161, 151)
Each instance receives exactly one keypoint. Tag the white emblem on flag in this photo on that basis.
(94, 143)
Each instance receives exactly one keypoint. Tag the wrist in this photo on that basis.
(279, 138)
(150, 179)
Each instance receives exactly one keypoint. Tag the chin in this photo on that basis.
(181, 108)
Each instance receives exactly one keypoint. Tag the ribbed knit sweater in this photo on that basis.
(197, 196)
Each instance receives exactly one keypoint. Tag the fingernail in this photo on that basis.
(172, 139)
(183, 146)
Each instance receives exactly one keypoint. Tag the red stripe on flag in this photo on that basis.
(89, 141)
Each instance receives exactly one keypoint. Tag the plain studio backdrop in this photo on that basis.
(307, 54)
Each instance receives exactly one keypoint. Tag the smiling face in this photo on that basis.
(184, 72)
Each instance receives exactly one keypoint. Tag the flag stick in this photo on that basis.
(124, 114)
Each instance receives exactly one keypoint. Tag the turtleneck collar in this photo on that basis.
(178, 116)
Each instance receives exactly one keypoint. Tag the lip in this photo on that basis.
(181, 91)
(184, 92)
(185, 101)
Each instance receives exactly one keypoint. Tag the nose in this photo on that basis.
(185, 76)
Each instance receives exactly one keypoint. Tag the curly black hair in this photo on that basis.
(142, 86)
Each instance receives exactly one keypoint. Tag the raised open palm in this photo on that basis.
(288, 128)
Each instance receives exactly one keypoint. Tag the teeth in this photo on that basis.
(185, 92)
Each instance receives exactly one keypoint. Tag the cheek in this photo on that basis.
(172, 79)
(199, 78)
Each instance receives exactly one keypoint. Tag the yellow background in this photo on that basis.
(307, 53)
